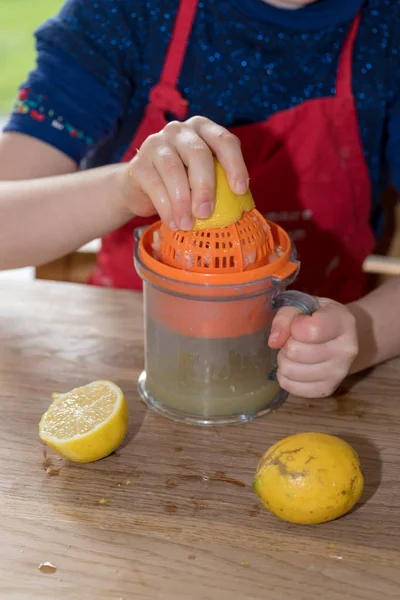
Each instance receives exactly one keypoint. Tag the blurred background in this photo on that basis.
(18, 20)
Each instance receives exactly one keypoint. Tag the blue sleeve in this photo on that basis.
(80, 87)
(393, 123)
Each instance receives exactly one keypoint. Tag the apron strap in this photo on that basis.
(179, 40)
(344, 77)
(165, 96)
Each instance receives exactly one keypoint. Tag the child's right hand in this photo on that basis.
(173, 172)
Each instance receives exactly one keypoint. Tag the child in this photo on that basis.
(49, 217)
(311, 94)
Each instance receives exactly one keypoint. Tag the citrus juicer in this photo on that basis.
(209, 300)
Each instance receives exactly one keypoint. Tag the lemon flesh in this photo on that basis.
(229, 207)
(309, 478)
(87, 423)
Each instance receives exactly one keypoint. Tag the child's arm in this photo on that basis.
(378, 325)
(44, 219)
(25, 157)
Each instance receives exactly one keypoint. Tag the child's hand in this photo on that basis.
(173, 173)
(316, 352)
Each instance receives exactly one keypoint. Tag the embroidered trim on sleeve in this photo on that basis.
(33, 106)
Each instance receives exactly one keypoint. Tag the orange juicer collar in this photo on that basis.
(238, 262)
(250, 250)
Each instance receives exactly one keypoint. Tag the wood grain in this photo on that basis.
(188, 525)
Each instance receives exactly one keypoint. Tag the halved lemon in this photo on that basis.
(87, 423)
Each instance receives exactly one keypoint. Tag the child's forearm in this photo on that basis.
(378, 323)
(44, 219)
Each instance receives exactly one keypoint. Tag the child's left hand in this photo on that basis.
(316, 352)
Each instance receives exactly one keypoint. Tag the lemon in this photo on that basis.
(309, 478)
(87, 423)
(229, 207)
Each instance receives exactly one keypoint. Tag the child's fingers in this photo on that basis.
(317, 389)
(190, 192)
(308, 373)
(173, 174)
(281, 326)
(318, 349)
(145, 177)
(199, 160)
(226, 147)
(308, 354)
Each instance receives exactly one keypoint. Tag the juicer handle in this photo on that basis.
(304, 302)
(307, 304)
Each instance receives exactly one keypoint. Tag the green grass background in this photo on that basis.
(18, 20)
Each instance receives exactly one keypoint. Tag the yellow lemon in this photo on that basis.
(309, 478)
(229, 207)
(87, 423)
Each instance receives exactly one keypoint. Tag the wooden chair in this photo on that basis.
(74, 268)
(77, 266)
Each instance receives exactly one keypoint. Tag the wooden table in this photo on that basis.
(188, 526)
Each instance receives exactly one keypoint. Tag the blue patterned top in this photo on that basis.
(98, 59)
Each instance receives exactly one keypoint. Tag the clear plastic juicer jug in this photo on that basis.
(208, 312)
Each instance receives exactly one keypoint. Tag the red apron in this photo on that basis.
(307, 173)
